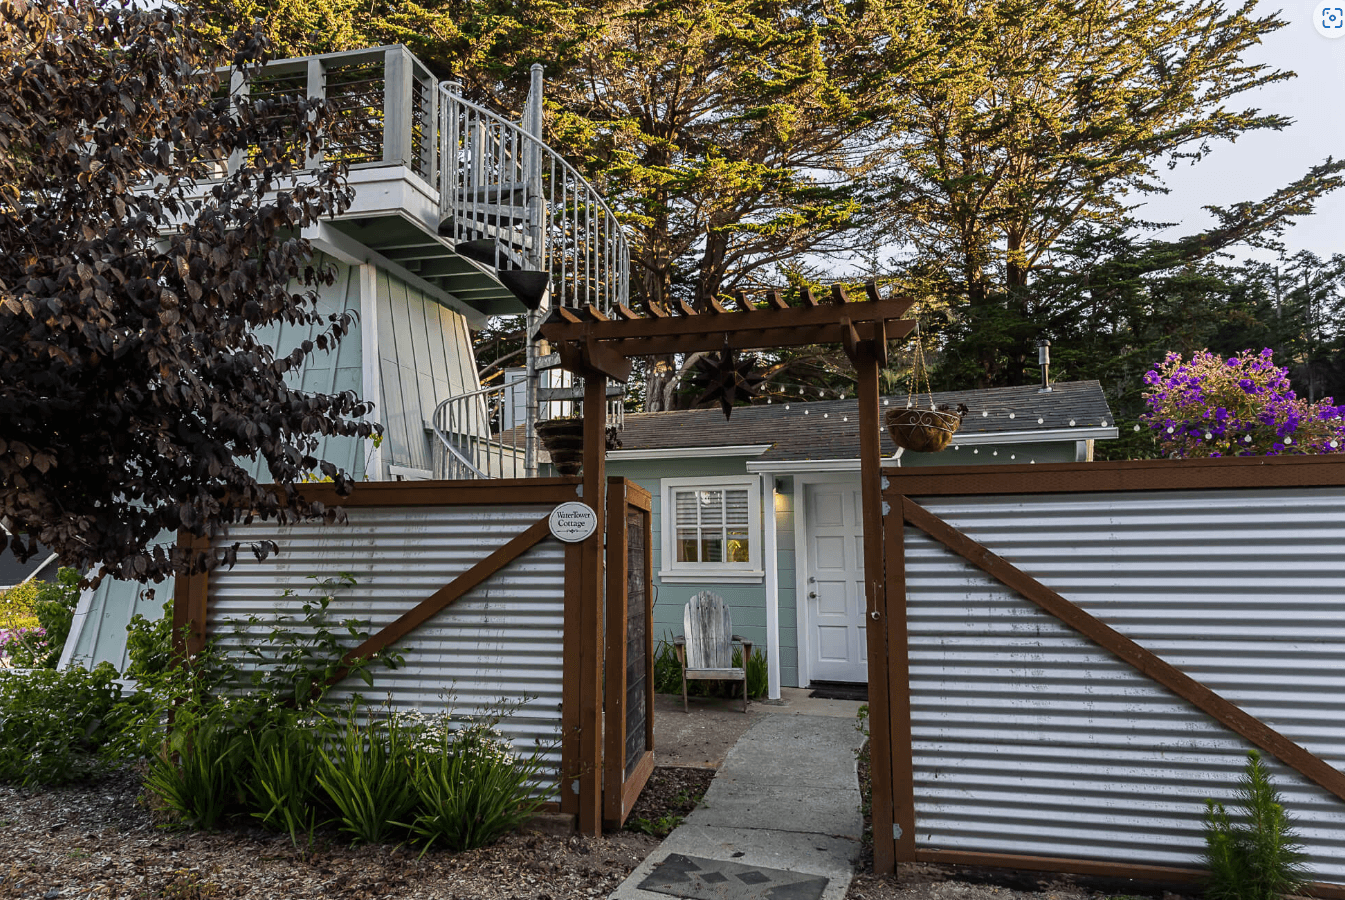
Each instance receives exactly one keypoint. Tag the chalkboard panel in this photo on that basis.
(637, 638)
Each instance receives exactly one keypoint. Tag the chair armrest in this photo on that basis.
(679, 641)
(738, 639)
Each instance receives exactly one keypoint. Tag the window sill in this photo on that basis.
(710, 576)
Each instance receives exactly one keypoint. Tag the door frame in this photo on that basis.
(803, 559)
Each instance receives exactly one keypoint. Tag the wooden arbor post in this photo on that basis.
(597, 347)
(889, 694)
(594, 364)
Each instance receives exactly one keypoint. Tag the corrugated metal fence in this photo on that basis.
(1029, 740)
(499, 645)
(466, 582)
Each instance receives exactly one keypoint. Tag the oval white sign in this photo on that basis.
(573, 521)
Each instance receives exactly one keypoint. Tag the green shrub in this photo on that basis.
(1253, 854)
(472, 789)
(668, 675)
(53, 725)
(369, 777)
(246, 732)
(283, 789)
(17, 608)
(200, 772)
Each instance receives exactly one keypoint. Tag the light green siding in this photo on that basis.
(325, 372)
(425, 356)
(995, 454)
(747, 602)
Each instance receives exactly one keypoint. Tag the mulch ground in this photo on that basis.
(100, 840)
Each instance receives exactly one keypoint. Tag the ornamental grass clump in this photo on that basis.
(1254, 853)
(472, 787)
(1242, 406)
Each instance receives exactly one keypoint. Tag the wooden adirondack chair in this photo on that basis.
(705, 649)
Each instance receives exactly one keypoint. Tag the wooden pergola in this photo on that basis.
(597, 347)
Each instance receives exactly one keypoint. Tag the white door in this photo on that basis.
(837, 647)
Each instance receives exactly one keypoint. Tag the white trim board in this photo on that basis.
(788, 466)
(690, 452)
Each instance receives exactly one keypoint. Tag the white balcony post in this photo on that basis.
(398, 82)
(317, 90)
(238, 88)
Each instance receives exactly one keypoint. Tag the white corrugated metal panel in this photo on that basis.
(501, 642)
(1029, 739)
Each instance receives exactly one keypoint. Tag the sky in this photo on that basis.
(1257, 164)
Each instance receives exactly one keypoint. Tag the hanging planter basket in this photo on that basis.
(564, 440)
(922, 430)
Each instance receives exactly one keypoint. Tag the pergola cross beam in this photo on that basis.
(842, 321)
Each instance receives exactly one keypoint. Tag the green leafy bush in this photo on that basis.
(17, 609)
(1254, 853)
(472, 789)
(200, 772)
(54, 725)
(668, 675)
(284, 792)
(243, 729)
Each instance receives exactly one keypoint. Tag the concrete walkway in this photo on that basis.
(785, 802)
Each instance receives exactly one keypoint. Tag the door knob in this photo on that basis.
(812, 595)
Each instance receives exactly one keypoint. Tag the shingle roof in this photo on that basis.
(829, 429)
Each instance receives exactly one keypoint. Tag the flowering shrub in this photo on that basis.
(55, 726)
(35, 620)
(1241, 406)
(22, 648)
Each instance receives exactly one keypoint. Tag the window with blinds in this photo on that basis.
(711, 526)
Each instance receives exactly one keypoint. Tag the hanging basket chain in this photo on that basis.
(913, 428)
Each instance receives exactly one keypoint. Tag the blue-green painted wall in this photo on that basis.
(424, 357)
(747, 601)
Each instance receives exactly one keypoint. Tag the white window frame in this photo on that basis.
(673, 572)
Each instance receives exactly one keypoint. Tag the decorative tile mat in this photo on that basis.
(693, 878)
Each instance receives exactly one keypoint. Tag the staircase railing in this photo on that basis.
(469, 429)
(481, 438)
(510, 201)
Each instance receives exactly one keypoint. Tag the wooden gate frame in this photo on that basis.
(620, 792)
(889, 666)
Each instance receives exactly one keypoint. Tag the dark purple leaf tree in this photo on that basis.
(150, 223)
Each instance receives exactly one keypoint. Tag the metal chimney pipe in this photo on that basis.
(1044, 360)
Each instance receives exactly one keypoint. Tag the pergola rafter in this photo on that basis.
(594, 341)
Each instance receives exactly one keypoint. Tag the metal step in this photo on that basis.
(483, 251)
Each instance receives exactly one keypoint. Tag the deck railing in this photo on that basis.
(386, 98)
(506, 200)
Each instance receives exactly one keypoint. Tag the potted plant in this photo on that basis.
(923, 430)
(564, 440)
(916, 428)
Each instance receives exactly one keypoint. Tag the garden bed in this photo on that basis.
(99, 840)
